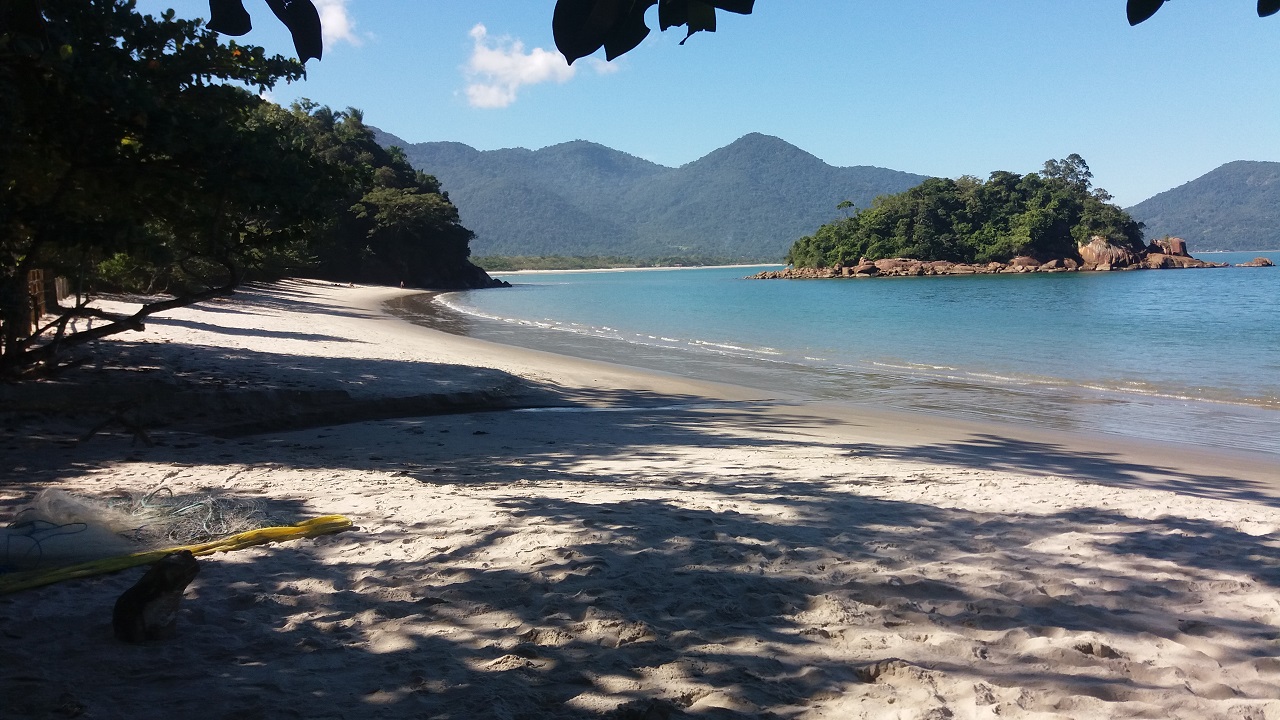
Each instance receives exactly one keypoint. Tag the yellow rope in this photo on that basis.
(13, 582)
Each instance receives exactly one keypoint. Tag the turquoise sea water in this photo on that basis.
(1188, 356)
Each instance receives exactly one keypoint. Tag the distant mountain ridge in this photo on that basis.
(752, 198)
(748, 200)
(1234, 207)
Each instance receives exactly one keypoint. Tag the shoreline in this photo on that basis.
(652, 547)
(442, 317)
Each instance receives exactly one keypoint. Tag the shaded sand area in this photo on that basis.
(640, 546)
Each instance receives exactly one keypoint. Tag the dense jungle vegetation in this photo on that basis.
(1042, 215)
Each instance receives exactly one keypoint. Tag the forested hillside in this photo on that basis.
(1235, 207)
(747, 201)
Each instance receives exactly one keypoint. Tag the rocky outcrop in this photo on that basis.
(1257, 262)
(1159, 261)
(1102, 256)
(1169, 246)
(907, 267)
(1101, 252)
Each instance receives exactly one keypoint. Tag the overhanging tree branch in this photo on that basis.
(44, 355)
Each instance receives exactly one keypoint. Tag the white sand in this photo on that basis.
(669, 549)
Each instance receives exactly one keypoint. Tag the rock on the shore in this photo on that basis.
(1257, 262)
(908, 267)
(1157, 261)
(1099, 252)
(1169, 246)
(1098, 255)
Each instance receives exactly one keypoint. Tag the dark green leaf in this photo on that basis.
(672, 13)
(701, 17)
(21, 16)
(630, 30)
(1140, 10)
(741, 7)
(303, 21)
(580, 27)
(229, 17)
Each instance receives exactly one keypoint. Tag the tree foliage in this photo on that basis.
(121, 129)
(390, 223)
(1142, 10)
(580, 27)
(175, 178)
(1043, 215)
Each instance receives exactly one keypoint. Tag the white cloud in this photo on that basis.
(337, 23)
(499, 67)
(603, 67)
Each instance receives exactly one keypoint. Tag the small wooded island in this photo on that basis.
(1051, 221)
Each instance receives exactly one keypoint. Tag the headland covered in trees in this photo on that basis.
(1051, 221)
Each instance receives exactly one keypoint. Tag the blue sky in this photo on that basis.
(939, 87)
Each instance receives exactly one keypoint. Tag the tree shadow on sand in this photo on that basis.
(985, 451)
(732, 589)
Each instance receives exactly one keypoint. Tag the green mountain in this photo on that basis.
(749, 200)
(1235, 207)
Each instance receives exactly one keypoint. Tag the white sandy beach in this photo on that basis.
(654, 548)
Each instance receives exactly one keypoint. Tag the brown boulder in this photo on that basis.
(1181, 261)
(900, 266)
(1257, 262)
(1100, 251)
(1156, 261)
(1175, 246)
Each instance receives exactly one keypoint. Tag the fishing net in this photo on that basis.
(58, 528)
